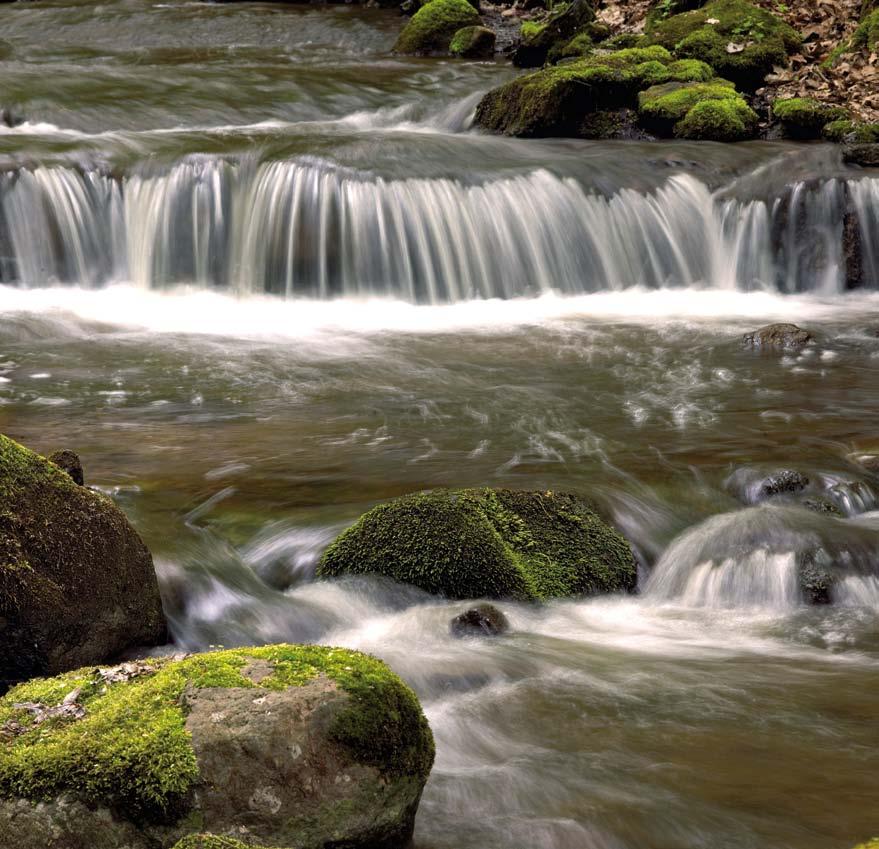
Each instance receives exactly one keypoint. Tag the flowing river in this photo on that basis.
(261, 275)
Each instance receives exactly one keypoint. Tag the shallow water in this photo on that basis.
(184, 167)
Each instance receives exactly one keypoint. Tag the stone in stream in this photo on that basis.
(779, 336)
(473, 43)
(816, 577)
(77, 584)
(69, 462)
(783, 482)
(432, 27)
(487, 543)
(865, 155)
(482, 620)
(296, 746)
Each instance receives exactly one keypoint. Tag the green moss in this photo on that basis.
(212, 841)
(764, 39)
(718, 120)
(131, 751)
(623, 40)
(660, 108)
(804, 118)
(486, 543)
(866, 36)
(856, 132)
(432, 27)
(531, 29)
(473, 43)
(870, 844)
(690, 71)
(580, 45)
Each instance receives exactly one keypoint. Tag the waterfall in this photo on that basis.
(305, 228)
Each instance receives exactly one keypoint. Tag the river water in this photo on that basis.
(261, 275)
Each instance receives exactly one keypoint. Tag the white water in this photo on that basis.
(309, 229)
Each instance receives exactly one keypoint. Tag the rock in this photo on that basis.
(486, 543)
(295, 746)
(778, 336)
(870, 462)
(865, 155)
(852, 247)
(432, 27)
(870, 844)
(741, 41)
(711, 111)
(69, 462)
(804, 117)
(824, 506)
(560, 27)
(483, 620)
(816, 578)
(77, 584)
(784, 481)
(473, 43)
(851, 132)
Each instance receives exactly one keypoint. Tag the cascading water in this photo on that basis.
(310, 229)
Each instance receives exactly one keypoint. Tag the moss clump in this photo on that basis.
(866, 36)
(665, 109)
(531, 29)
(130, 749)
(743, 45)
(690, 71)
(854, 132)
(561, 25)
(804, 118)
(718, 120)
(580, 45)
(212, 841)
(475, 543)
(473, 43)
(432, 27)
(555, 101)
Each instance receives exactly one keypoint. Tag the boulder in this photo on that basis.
(473, 43)
(782, 482)
(432, 27)
(483, 620)
(77, 584)
(69, 462)
(778, 337)
(816, 576)
(486, 543)
(805, 117)
(741, 41)
(295, 746)
(851, 132)
(865, 155)
(559, 28)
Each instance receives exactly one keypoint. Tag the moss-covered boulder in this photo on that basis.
(804, 117)
(712, 111)
(560, 100)
(486, 543)
(432, 27)
(473, 43)
(866, 36)
(294, 746)
(852, 132)
(77, 584)
(742, 42)
(538, 39)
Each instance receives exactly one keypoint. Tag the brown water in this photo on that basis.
(581, 307)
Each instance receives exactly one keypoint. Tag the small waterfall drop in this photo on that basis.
(304, 228)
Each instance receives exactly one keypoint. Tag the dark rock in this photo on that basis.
(297, 746)
(485, 620)
(487, 543)
(69, 462)
(865, 155)
(816, 577)
(852, 248)
(824, 506)
(778, 336)
(77, 584)
(559, 28)
(784, 481)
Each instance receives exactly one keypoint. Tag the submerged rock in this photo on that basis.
(484, 620)
(77, 584)
(784, 481)
(69, 462)
(816, 577)
(432, 27)
(487, 543)
(778, 336)
(295, 746)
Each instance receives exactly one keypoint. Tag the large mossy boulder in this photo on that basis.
(294, 746)
(486, 543)
(432, 28)
(741, 41)
(538, 39)
(712, 111)
(560, 100)
(77, 584)
(473, 43)
(804, 117)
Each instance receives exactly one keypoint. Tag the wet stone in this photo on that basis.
(484, 620)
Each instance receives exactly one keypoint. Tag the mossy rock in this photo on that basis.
(538, 39)
(663, 109)
(299, 746)
(556, 101)
(718, 120)
(866, 36)
(744, 44)
(852, 132)
(77, 584)
(486, 543)
(473, 43)
(804, 117)
(432, 27)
